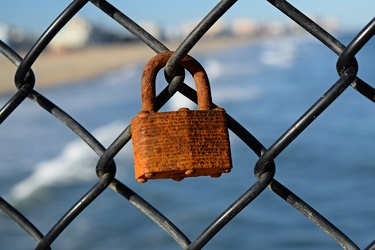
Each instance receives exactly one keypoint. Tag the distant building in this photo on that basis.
(274, 28)
(152, 28)
(16, 38)
(74, 35)
(244, 27)
(220, 28)
(330, 23)
(4, 33)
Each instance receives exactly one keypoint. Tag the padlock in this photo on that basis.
(184, 143)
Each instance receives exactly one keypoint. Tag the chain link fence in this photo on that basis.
(264, 168)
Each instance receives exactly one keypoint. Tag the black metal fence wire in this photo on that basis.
(264, 169)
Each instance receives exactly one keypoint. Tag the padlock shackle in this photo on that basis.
(190, 64)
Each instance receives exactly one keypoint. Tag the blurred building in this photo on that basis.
(74, 35)
(244, 27)
(79, 32)
(4, 33)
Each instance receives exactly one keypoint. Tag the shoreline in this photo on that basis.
(73, 67)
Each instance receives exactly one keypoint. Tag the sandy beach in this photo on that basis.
(52, 69)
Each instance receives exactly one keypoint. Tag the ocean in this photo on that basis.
(266, 87)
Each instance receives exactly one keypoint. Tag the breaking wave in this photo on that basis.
(75, 164)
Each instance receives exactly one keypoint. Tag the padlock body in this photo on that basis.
(180, 144)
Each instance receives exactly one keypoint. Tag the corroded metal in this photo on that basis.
(184, 143)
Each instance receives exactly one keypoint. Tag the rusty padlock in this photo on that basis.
(185, 143)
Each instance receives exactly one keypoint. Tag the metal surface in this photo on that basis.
(264, 169)
(182, 143)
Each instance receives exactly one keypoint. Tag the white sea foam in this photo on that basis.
(227, 93)
(220, 68)
(220, 93)
(75, 164)
(280, 54)
(214, 69)
(123, 74)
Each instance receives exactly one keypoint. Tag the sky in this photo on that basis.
(35, 16)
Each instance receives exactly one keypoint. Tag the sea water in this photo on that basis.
(266, 87)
